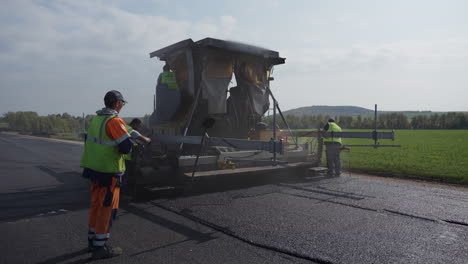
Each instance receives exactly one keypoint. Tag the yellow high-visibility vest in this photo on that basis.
(101, 153)
(333, 127)
(169, 79)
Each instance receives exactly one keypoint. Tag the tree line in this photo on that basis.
(31, 122)
(450, 120)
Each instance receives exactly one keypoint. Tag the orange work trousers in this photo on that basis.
(99, 214)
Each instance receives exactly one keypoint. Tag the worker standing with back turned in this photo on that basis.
(106, 143)
(333, 145)
(168, 96)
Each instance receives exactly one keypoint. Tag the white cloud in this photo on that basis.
(60, 47)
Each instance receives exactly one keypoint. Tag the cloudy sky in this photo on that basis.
(62, 56)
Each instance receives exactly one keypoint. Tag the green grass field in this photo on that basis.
(436, 154)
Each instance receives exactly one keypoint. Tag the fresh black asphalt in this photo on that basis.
(282, 219)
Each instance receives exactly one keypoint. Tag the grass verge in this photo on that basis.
(439, 155)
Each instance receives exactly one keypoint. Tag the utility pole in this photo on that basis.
(375, 125)
(274, 132)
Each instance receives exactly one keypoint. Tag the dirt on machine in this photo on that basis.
(210, 122)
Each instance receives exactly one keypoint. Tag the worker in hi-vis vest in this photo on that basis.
(168, 96)
(333, 147)
(107, 141)
(135, 135)
(168, 78)
(136, 138)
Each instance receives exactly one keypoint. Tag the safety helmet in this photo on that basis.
(113, 96)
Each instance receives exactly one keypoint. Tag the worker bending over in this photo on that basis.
(137, 138)
(134, 130)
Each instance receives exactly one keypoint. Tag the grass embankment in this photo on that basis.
(435, 154)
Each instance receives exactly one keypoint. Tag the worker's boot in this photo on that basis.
(106, 252)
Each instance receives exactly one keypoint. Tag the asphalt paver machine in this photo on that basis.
(209, 123)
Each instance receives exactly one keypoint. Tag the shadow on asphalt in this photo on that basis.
(69, 256)
(198, 187)
(186, 231)
(189, 233)
(71, 194)
(220, 183)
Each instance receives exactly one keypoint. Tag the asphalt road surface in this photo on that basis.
(283, 219)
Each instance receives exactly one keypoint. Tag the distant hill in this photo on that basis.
(326, 110)
(329, 111)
